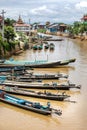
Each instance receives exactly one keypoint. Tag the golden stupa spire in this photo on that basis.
(20, 21)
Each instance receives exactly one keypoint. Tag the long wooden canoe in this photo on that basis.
(36, 64)
(41, 76)
(28, 105)
(54, 86)
(39, 94)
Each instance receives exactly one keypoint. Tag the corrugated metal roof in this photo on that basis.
(53, 25)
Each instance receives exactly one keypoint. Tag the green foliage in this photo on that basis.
(26, 45)
(77, 28)
(7, 47)
(22, 36)
(1, 45)
(4, 46)
(1, 40)
(9, 22)
(9, 33)
(8, 44)
(42, 30)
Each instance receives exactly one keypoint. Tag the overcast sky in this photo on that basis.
(66, 11)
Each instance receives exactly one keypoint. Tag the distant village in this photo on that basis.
(13, 32)
(50, 28)
(20, 26)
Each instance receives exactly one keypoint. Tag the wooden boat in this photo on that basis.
(13, 77)
(39, 94)
(54, 86)
(40, 76)
(51, 39)
(28, 105)
(36, 64)
(23, 79)
(46, 46)
(15, 73)
(10, 69)
(51, 46)
(35, 47)
(40, 47)
(9, 77)
(2, 61)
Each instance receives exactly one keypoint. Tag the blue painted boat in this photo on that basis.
(9, 69)
(37, 63)
(28, 105)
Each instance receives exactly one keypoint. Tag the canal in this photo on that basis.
(74, 114)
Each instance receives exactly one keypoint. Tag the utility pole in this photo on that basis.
(3, 12)
(29, 31)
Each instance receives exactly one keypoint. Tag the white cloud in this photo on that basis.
(44, 10)
(82, 4)
(37, 10)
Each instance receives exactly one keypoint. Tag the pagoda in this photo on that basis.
(20, 21)
(20, 26)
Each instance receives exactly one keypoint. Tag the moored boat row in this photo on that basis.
(21, 80)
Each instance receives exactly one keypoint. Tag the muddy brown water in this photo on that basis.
(74, 115)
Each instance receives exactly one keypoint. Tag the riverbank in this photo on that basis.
(77, 39)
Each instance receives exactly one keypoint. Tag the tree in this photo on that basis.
(9, 22)
(3, 47)
(9, 33)
(47, 23)
(76, 24)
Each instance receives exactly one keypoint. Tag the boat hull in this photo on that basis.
(27, 108)
(47, 77)
(28, 105)
(21, 85)
(38, 64)
(33, 94)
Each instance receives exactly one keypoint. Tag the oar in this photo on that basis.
(70, 101)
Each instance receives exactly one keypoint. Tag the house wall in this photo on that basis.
(21, 29)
